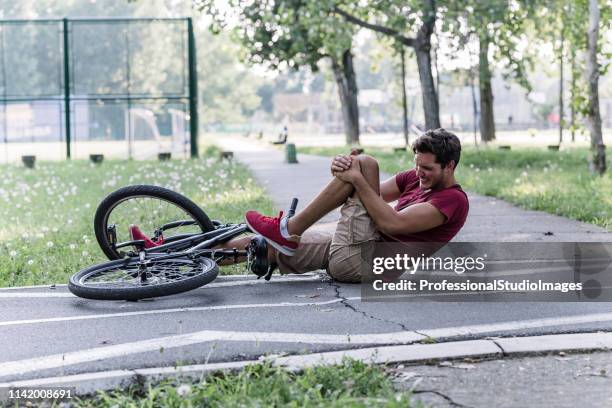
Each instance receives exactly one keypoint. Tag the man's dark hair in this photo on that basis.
(441, 143)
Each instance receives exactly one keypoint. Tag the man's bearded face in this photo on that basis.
(431, 174)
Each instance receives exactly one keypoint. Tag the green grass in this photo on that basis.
(47, 213)
(554, 182)
(352, 384)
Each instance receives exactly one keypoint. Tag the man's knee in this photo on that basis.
(341, 274)
(345, 263)
(367, 162)
(369, 169)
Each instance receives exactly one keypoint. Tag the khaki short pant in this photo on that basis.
(338, 247)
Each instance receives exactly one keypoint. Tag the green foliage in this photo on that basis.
(551, 18)
(47, 232)
(555, 182)
(353, 384)
(500, 23)
(229, 91)
(284, 33)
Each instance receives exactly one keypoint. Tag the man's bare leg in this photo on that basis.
(331, 197)
(241, 243)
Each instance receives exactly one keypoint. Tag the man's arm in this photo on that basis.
(389, 191)
(415, 218)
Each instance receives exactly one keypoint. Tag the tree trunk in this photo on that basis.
(431, 110)
(422, 50)
(435, 59)
(561, 111)
(404, 101)
(474, 108)
(487, 120)
(573, 95)
(344, 75)
(592, 72)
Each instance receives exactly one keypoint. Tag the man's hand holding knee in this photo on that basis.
(343, 162)
(351, 174)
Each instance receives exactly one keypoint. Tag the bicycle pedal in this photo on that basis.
(257, 256)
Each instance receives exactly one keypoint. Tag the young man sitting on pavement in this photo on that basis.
(431, 207)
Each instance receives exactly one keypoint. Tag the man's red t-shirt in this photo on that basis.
(452, 202)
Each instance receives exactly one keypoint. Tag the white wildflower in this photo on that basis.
(49, 244)
(183, 390)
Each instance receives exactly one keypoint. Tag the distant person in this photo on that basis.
(282, 138)
(510, 119)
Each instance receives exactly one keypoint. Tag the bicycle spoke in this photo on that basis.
(128, 276)
(150, 214)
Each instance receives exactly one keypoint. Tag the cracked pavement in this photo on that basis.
(354, 308)
(48, 332)
(562, 380)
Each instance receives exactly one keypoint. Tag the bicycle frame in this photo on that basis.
(193, 245)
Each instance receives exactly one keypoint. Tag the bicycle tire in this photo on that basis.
(125, 193)
(208, 271)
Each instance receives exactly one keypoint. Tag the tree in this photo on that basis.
(291, 34)
(598, 149)
(228, 91)
(409, 23)
(580, 17)
(497, 27)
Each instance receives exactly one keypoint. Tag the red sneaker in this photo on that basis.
(138, 235)
(269, 228)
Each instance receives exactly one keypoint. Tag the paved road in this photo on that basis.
(48, 332)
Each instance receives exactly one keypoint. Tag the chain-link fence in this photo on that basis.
(118, 87)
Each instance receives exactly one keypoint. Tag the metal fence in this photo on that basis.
(118, 86)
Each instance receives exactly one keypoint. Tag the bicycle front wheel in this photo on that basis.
(131, 279)
(157, 211)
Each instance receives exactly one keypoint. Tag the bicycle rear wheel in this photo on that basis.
(157, 211)
(130, 279)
